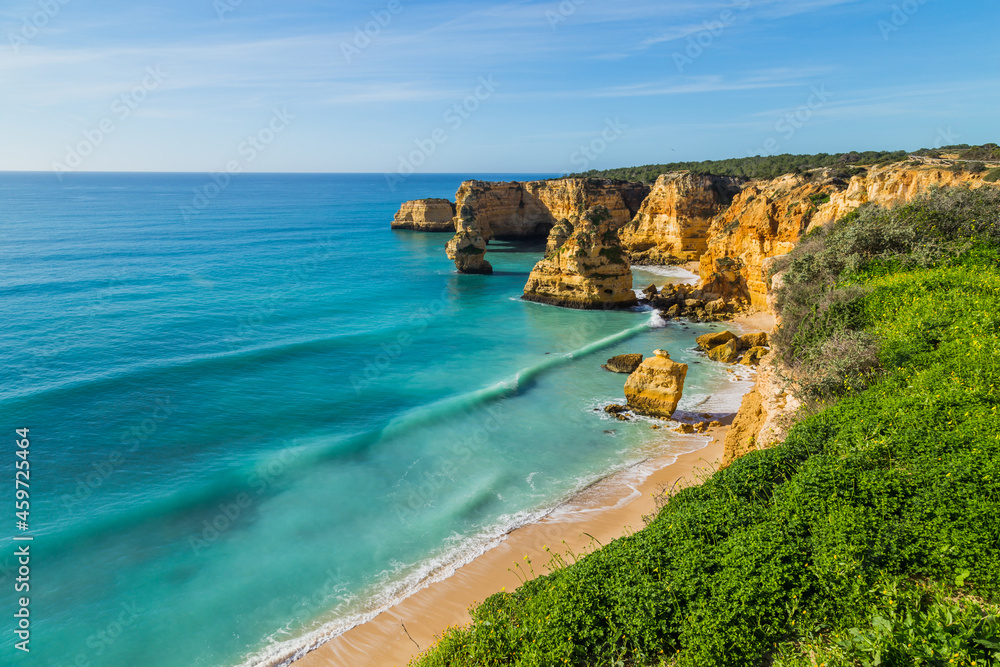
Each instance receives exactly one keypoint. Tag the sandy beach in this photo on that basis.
(603, 512)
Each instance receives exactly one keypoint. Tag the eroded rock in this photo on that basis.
(656, 386)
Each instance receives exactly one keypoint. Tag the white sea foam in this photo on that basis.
(679, 273)
(656, 320)
(405, 580)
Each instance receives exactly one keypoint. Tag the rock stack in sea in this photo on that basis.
(656, 386)
(588, 269)
(425, 215)
(468, 247)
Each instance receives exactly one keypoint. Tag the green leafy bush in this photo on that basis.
(993, 176)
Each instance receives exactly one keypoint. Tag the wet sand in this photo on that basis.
(600, 514)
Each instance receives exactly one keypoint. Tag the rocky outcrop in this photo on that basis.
(489, 210)
(589, 270)
(672, 225)
(623, 363)
(712, 340)
(530, 209)
(426, 215)
(656, 386)
(764, 417)
(767, 218)
(690, 302)
(468, 247)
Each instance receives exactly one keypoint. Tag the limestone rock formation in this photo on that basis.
(623, 363)
(767, 218)
(530, 209)
(588, 271)
(656, 386)
(764, 417)
(468, 247)
(672, 225)
(751, 340)
(727, 353)
(753, 356)
(426, 215)
(712, 340)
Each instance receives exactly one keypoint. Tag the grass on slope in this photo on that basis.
(870, 536)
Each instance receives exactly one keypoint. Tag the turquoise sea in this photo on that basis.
(260, 416)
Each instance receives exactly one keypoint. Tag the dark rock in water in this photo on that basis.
(615, 409)
(650, 291)
(611, 432)
(623, 363)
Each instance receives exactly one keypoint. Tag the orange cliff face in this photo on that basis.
(584, 266)
(531, 209)
(768, 218)
(673, 223)
(426, 215)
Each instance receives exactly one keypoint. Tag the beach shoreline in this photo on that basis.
(608, 509)
(601, 513)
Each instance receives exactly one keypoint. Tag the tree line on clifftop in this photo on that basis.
(773, 166)
(869, 536)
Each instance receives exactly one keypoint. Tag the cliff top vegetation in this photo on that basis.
(773, 166)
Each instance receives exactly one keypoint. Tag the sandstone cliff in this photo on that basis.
(672, 225)
(764, 417)
(532, 208)
(656, 386)
(588, 270)
(426, 215)
(767, 218)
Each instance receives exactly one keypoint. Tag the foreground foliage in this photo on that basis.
(870, 536)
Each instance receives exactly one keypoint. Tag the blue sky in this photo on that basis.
(557, 86)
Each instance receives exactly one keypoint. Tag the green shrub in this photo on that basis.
(993, 176)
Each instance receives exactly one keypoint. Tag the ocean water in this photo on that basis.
(260, 416)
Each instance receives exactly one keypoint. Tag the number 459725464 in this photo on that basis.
(22, 476)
